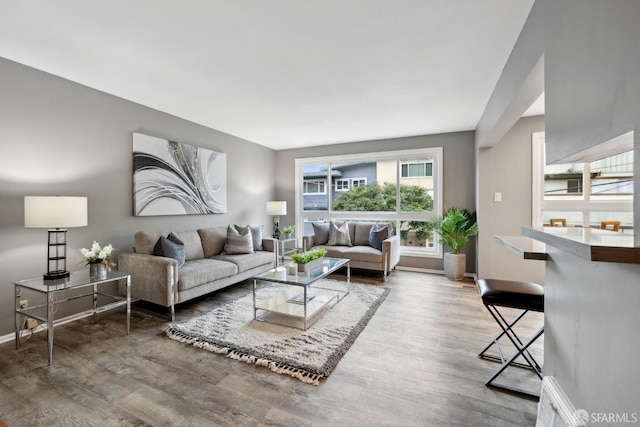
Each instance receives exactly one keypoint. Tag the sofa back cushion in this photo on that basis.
(144, 241)
(361, 233)
(213, 240)
(192, 244)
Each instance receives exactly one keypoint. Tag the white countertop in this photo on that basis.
(524, 246)
(589, 243)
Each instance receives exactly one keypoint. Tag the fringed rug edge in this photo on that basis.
(279, 368)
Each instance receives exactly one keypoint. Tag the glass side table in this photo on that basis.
(286, 246)
(52, 289)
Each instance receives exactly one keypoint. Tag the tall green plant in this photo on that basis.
(454, 228)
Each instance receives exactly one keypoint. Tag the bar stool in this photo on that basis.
(615, 225)
(562, 222)
(524, 296)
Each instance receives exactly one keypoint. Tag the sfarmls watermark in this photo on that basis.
(582, 416)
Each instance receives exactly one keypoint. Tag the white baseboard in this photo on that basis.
(555, 409)
(427, 270)
(41, 328)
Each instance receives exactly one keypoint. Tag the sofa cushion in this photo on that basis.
(144, 241)
(338, 236)
(361, 235)
(213, 240)
(320, 232)
(238, 243)
(377, 234)
(192, 243)
(172, 247)
(200, 271)
(256, 235)
(362, 253)
(248, 261)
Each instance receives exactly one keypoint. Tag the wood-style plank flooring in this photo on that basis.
(415, 364)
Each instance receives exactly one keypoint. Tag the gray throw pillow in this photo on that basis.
(339, 236)
(157, 248)
(238, 243)
(173, 248)
(256, 235)
(320, 232)
(377, 234)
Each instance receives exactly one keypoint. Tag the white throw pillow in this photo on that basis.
(339, 236)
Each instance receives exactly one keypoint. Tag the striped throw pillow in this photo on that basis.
(238, 242)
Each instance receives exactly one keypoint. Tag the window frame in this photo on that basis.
(318, 180)
(584, 205)
(346, 182)
(408, 164)
(400, 156)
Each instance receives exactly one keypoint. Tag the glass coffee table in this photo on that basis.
(305, 296)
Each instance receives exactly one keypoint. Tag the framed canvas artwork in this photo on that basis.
(172, 178)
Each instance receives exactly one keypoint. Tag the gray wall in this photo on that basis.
(458, 176)
(61, 138)
(506, 168)
(592, 90)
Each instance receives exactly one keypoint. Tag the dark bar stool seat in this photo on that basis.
(514, 294)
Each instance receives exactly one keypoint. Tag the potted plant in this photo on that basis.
(309, 260)
(454, 229)
(288, 231)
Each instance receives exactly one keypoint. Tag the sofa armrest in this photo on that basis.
(308, 242)
(391, 252)
(153, 278)
(269, 244)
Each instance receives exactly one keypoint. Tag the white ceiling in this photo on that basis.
(281, 73)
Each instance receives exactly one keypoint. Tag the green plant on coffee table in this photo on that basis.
(308, 256)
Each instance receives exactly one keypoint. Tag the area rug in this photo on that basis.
(309, 356)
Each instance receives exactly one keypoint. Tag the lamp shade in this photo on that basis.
(277, 208)
(55, 212)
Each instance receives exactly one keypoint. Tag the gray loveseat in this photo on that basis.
(358, 248)
(207, 267)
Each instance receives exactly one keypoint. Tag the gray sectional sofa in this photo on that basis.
(207, 265)
(376, 249)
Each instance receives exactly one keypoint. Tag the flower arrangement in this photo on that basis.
(97, 254)
(289, 230)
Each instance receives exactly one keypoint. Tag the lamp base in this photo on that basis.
(53, 275)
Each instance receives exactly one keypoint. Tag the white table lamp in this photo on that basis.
(55, 213)
(276, 209)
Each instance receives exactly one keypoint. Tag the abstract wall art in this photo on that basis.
(172, 178)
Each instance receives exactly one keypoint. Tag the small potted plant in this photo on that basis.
(288, 231)
(454, 229)
(309, 260)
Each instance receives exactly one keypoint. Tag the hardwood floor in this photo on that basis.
(415, 364)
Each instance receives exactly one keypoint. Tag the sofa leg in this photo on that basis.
(173, 312)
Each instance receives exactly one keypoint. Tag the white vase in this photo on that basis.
(454, 265)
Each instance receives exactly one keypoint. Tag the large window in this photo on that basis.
(400, 187)
(582, 193)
